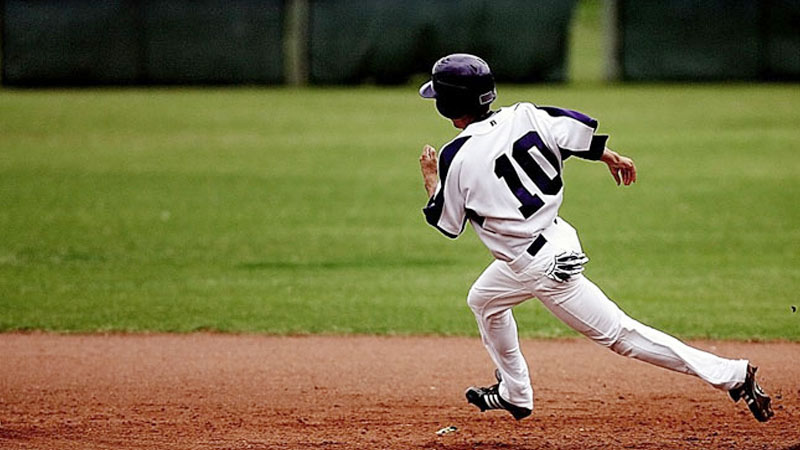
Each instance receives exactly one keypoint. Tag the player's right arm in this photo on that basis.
(575, 135)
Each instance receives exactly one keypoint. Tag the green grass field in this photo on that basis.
(298, 211)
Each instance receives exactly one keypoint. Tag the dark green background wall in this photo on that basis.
(241, 41)
(75, 42)
(119, 42)
(709, 39)
(389, 40)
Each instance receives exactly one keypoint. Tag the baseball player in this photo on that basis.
(502, 174)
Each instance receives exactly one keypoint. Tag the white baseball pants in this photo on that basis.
(580, 304)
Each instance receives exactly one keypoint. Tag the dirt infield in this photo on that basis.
(204, 391)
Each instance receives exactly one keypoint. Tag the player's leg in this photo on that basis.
(580, 304)
(491, 298)
(583, 306)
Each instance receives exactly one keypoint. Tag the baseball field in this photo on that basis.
(250, 268)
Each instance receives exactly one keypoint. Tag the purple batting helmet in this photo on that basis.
(462, 84)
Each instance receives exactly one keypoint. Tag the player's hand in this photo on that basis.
(429, 166)
(622, 168)
(566, 265)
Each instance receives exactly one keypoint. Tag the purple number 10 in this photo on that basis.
(521, 153)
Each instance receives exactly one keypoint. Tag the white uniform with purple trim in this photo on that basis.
(503, 175)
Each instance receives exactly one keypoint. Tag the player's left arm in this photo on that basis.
(622, 168)
(445, 209)
(427, 162)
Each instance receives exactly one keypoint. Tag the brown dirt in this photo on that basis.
(205, 391)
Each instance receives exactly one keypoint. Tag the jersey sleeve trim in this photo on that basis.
(433, 210)
(596, 149)
(579, 116)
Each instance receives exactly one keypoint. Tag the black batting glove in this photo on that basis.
(566, 265)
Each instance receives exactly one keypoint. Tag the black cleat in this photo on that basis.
(487, 398)
(755, 397)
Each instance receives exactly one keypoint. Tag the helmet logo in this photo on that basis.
(488, 97)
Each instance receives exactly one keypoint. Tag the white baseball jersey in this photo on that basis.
(504, 174)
